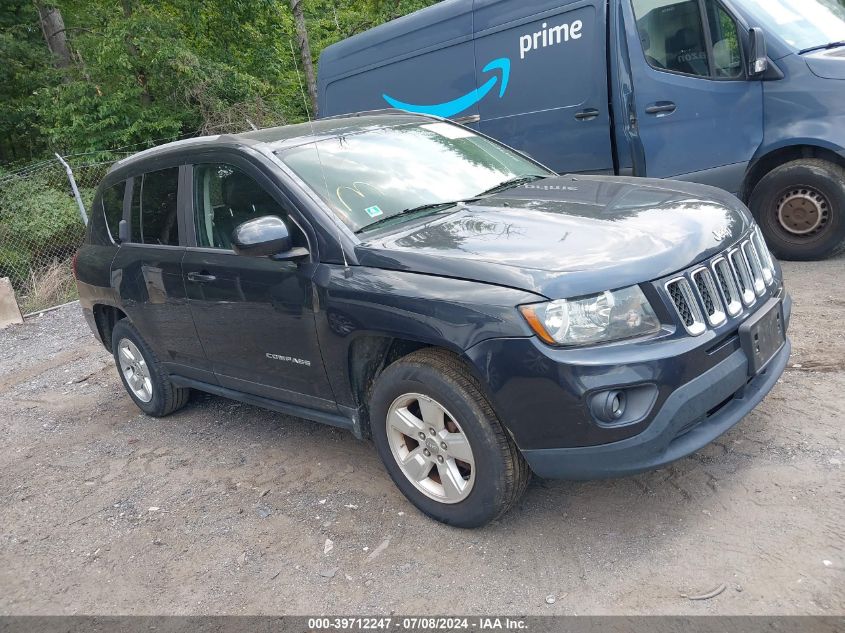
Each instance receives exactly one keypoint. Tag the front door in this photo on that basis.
(254, 315)
(698, 115)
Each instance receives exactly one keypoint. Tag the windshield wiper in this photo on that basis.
(423, 207)
(512, 182)
(822, 47)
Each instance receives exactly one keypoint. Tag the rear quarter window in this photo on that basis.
(107, 212)
(112, 203)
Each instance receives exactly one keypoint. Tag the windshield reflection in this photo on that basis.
(375, 174)
(801, 24)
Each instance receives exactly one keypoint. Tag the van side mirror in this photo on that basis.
(267, 236)
(123, 231)
(759, 57)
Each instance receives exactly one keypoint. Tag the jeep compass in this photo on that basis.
(476, 315)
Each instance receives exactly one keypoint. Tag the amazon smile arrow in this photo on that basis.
(456, 106)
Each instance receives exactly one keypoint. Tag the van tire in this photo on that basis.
(166, 397)
(803, 186)
(500, 472)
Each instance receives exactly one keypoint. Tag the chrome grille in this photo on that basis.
(727, 284)
(709, 295)
(765, 256)
(755, 266)
(682, 296)
(743, 276)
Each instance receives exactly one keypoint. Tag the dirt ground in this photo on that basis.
(225, 508)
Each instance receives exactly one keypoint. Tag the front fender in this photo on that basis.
(455, 314)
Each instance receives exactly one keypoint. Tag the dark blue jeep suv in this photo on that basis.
(403, 277)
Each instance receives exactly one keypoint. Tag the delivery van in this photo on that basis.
(745, 95)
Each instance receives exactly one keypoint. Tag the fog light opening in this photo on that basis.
(617, 404)
(623, 405)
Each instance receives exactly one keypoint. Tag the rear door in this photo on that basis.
(147, 271)
(554, 105)
(254, 315)
(698, 116)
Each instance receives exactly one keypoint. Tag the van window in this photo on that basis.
(800, 23)
(225, 197)
(154, 219)
(727, 54)
(112, 202)
(673, 37)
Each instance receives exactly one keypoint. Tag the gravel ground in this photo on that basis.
(225, 508)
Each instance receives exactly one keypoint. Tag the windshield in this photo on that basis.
(369, 176)
(801, 23)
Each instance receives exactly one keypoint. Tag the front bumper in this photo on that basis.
(702, 386)
(684, 424)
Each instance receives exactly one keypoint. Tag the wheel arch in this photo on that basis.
(369, 355)
(782, 155)
(105, 317)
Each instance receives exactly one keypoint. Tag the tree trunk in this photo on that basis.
(305, 53)
(55, 35)
(135, 54)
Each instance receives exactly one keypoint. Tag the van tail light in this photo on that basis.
(75, 265)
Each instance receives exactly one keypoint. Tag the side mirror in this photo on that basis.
(267, 236)
(123, 231)
(758, 56)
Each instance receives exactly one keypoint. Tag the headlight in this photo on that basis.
(607, 316)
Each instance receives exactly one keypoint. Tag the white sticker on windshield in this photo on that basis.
(448, 130)
(373, 211)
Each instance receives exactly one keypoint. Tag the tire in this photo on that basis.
(164, 396)
(800, 207)
(495, 476)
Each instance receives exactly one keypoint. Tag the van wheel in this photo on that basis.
(441, 441)
(800, 207)
(143, 376)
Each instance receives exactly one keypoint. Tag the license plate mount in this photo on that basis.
(763, 335)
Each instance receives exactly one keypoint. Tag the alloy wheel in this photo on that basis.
(135, 371)
(430, 448)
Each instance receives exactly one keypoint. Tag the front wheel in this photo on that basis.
(800, 207)
(441, 441)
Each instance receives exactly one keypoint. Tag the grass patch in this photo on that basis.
(48, 286)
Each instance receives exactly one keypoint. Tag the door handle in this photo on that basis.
(661, 107)
(201, 278)
(587, 115)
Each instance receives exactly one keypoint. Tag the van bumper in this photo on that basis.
(681, 427)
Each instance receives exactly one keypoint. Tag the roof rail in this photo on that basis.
(378, 112)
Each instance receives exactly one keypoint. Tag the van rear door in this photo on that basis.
(555, 103)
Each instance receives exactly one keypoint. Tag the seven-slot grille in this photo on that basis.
(709, 294)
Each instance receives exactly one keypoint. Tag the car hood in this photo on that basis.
(827, 64)
(568, 236)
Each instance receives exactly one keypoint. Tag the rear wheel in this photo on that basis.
(145, 379)
(441, 441)
(800, 207)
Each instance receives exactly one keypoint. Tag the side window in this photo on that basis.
(154, 219)
(112, 201)
(673, 37)
(226, 197)
(727, 55)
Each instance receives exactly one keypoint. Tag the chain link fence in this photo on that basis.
(41, 226)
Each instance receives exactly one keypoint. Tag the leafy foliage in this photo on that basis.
(147, 71)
